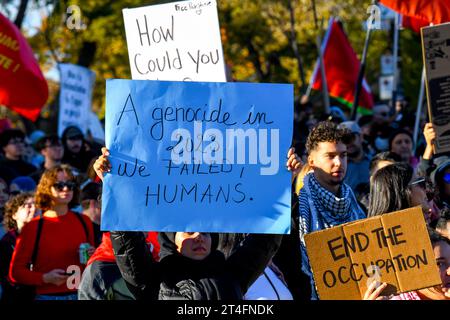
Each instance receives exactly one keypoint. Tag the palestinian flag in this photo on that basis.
(341, 70)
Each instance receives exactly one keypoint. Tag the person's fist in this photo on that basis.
(294, 163)
(429, 133)
(102, 164)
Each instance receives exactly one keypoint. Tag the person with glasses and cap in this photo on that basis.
(76, 151)
(56, 235)
(358, 161)
(12, 143)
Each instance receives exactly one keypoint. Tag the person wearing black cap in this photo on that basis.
(358, 160)
(12, 143)
(76, 153)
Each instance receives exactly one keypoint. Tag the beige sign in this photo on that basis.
(436, 56)
(392, 248)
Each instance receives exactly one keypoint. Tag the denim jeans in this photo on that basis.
(45, 297)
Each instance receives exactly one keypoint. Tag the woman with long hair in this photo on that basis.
(395, 187)
(49, 245)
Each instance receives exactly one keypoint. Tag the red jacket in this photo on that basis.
(104, 251)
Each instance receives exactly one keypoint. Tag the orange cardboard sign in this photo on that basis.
(394, 248)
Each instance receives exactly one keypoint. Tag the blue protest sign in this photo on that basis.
(197, 156)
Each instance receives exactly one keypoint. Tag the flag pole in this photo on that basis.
(362, 68)
(395, 60)
(419, 108)
(326, 98)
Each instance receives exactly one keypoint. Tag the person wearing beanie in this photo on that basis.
(401, 143)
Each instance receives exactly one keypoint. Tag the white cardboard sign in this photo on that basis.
(177, 41)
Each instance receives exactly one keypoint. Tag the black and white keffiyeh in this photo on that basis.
(320, 209)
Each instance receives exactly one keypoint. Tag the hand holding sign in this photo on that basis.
(102, 164)
(373, 291)
(393, 248)
(192, 156)
(294, 163)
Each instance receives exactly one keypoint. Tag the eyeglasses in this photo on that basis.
(447, 178)
(420, 182)
(53, 145)
(60, 185)
(16, 141)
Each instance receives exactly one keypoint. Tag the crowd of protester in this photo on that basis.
(343, 171)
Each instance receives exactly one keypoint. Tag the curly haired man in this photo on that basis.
(325, 200)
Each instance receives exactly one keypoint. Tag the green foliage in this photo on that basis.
(256, 36)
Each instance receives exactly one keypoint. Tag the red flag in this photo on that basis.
(341, 69)
(413, 23)
(23, 87)
(435, 11)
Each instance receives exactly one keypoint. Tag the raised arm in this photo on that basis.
(134, 259)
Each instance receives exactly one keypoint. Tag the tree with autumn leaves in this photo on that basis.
(263, 41)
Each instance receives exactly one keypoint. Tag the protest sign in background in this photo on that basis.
(95, 127)
(190, 156)
(75, 96)
(394, 248)
(436, 54)
(177, 41)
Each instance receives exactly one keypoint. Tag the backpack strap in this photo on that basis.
(36, 243)
(86, 231)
